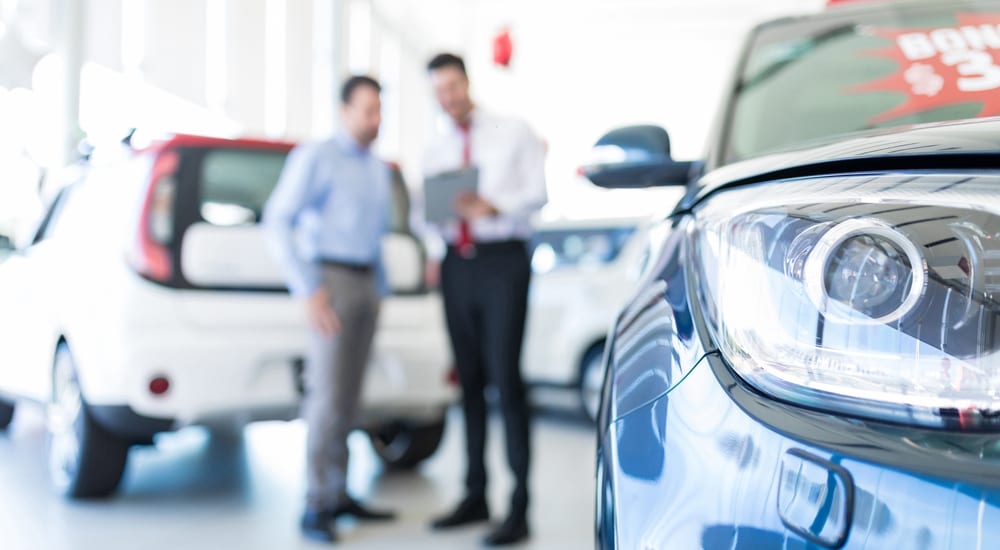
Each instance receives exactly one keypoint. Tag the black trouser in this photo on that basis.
(486, 301)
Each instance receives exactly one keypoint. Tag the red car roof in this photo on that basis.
(188, 140)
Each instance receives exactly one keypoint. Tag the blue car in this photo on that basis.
(812, 358)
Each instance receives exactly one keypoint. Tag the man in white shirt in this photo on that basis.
(484, 280)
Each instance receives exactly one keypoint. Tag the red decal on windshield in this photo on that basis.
(942, 66)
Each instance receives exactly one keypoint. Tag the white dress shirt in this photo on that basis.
(511, 162)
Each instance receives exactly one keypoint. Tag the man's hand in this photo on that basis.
(432, 274)
(471, 206)
(321, 315)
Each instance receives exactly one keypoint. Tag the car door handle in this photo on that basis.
(815, 498)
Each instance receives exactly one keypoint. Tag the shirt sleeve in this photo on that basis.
(292, 195)
(530, 167)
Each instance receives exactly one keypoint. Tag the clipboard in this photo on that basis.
(441, 190)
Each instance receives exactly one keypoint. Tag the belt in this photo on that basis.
(350, 266)
(493, 247)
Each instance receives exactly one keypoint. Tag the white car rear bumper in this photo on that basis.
(259, 376)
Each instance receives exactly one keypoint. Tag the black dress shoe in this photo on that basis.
(318, 526)
(513, 531)
(357, 510)
(471, 510)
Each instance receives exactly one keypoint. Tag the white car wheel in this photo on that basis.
(403, 446)
(63, 416)
(85, 461)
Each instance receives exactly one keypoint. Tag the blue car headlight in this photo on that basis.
(877, 297)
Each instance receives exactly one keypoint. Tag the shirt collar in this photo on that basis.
(473, 118)
(349, 145)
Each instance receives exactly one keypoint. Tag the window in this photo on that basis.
(810, 81)
(235, 184)
(556, 248)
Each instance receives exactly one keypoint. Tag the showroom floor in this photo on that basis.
(193, 491)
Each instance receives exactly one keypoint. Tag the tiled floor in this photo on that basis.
(197, 492)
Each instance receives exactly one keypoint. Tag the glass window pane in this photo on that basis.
(235, 184)
(809, 81)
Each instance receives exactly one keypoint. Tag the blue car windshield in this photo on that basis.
(809, 81)
(558, 248)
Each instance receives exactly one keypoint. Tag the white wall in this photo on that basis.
(175, 39)
(583, 67)
(580, 67)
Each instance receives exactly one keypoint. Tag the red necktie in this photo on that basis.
(466, 246)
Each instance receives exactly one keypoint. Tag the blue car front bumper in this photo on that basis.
(692, 469)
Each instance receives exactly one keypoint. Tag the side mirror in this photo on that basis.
(403, 257)
(637, 157)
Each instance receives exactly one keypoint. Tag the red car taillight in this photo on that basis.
(151, 257)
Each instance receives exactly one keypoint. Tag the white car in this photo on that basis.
(576, 289)
(146, 300)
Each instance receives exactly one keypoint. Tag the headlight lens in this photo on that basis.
(879, 297)
(859, 265)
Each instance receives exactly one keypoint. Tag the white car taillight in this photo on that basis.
(151, 257)
(161, 210)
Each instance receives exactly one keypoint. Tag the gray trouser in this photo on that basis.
(334, 373)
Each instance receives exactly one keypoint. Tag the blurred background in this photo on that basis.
(77, 76)
(94, 68)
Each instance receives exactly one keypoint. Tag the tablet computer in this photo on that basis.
(441, 190)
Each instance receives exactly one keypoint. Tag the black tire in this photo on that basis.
(85, 460)
(403, 446)
(591, 372)
(6, 414)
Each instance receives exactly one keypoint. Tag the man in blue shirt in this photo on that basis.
(326, 218)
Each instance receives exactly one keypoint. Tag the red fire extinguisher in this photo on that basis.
(503, 48)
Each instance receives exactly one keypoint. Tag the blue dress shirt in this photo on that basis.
(332, 202)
